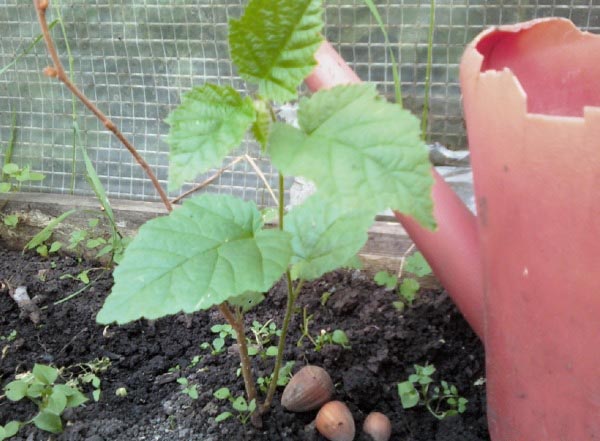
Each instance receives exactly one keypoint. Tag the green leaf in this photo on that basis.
(193, 392)
(417, 265)
(383, 278)
(10, 168)
(218, 344)
(359, 150)
(222, 394)
(57, 402)
(182, 381)
(42, 250)
(210, 249)
(408, 290)
(56, 245)
(284, 373)
(427, 369)
(10, 429)
(339, 337)
(409, 396)
(399, 306)
(271, 351)
(11, 220)
(96, 184)
(209, 123)
(45, 374)
(247, 301)
(45, 234)
(104, 250)
(274, 42)
(324, 236)
(48, 421)
(5, 187)
(34, 176)
(95, 243)
(240, 404)
(223, 416)
(262, 126)
(16, 390)
(83, 276)
(96, 394)
(36, 390)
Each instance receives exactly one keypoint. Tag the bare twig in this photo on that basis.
(207, 181)
(403, 260)
(58, 71)
(261, 176)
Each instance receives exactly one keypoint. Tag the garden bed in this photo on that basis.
(147, 358)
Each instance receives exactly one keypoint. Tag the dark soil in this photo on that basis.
(147, 358)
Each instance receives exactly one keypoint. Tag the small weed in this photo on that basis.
(11, 220)
(417, 390)
(325, 298)
(8, 338)
(218, 344)
(217, 347)
(83, 276)
(239, 404)
(263, 335)
(121, 392)
(13, 177)
(50, 398)
(187, 389)
(409, 287)
(89, 374)
(285, 373)
(195, 361)
(11, 336)
(337, 337)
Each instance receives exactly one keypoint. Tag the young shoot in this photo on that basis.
(441, 401)
(363, 154)
(407, 290)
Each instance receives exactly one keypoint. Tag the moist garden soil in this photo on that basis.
(147, 358)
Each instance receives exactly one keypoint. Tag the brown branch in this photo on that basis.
(238, 327)
(58, 71)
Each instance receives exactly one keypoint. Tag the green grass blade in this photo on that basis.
(27, 49)
(395, 70)
(425, 116)
(11, 144)
(43, 235)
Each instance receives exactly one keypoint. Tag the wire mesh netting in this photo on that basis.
(134, 58)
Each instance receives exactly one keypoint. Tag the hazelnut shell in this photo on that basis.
(309, 389)
(334, 421)
(378, 426)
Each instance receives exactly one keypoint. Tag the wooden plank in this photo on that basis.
(386, 245)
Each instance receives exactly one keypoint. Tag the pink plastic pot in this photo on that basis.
(526, 271)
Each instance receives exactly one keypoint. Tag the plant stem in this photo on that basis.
(289, 312)
(59, 71)
(73, 99)
(237, 323)
(281, 200)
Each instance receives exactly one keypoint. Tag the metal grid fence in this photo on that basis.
(134, 58)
